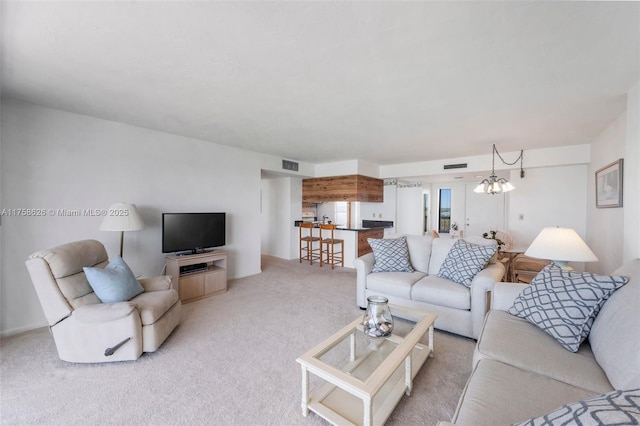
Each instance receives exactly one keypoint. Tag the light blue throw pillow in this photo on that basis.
(114, 283)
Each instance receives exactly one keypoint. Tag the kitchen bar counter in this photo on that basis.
(367, 225)
(355, 239)
(339, 228)
(363, 244)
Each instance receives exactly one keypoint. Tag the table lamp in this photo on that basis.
(561, 245)
(122, 217)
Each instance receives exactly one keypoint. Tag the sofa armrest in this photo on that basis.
(504, 294)
(156, 283)
(103, 312)
(483, 282)
(493, 271)
(363, 265)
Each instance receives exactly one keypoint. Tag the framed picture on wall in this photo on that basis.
(609, 185)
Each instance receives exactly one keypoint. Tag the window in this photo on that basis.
(444, 210)
(425, 198)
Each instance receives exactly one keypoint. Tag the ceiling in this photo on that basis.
(385, 82)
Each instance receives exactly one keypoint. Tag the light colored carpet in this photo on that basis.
(230, 362)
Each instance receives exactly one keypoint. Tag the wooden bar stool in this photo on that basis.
(333, 257)
(307, 239)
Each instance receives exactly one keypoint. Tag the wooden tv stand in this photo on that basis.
(199, 284)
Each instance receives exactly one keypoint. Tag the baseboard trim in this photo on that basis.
(14, 331)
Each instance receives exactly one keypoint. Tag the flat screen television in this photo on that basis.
(192, 232)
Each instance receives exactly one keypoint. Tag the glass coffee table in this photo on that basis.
(365, 378)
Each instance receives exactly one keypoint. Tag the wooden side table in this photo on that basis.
(511, 254)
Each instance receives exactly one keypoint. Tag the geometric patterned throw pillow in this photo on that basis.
(565, 303)
(464, 261)
(390, 255)
(620, 407)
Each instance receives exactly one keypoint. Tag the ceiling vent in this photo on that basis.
(455, 166)
(290, 165)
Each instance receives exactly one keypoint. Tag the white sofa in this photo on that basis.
(521, 372)
(460, 310)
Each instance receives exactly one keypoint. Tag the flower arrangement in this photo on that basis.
(491, 235)
(454, 226)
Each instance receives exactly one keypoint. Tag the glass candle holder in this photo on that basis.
(377, 321)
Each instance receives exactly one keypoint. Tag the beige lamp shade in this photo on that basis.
(561, 245)
(122, 217)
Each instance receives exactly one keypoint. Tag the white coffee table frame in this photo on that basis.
(334, 401)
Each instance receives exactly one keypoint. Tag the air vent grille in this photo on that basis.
(455, 166)
(290, 165)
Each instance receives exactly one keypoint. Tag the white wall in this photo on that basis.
(605, 230)
(614, 233)
(632, 176)
(409, 210)
(348, 167)
(281, 206)
(1, 220)
(295, 211)
(545, 157)
(547, 196)
(57, 160)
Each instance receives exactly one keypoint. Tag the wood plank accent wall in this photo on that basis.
(363, 244)
(342, 188)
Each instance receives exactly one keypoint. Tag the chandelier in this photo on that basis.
(495, 185)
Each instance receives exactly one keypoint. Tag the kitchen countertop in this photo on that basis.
(340, 228)
(357, 229)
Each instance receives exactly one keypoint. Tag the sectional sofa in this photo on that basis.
(524, 373)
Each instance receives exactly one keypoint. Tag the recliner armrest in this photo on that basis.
(156, 283)
(103, 312)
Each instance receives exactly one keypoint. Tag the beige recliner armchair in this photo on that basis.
(84, 328)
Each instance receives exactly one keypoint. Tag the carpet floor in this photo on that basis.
(231, 361)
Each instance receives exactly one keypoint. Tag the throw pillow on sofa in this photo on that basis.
(620, 407)
(565, 303)
(390, 255)
(464, 261)
(114, 283)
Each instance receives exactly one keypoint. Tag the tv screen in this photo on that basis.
(192, 231)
